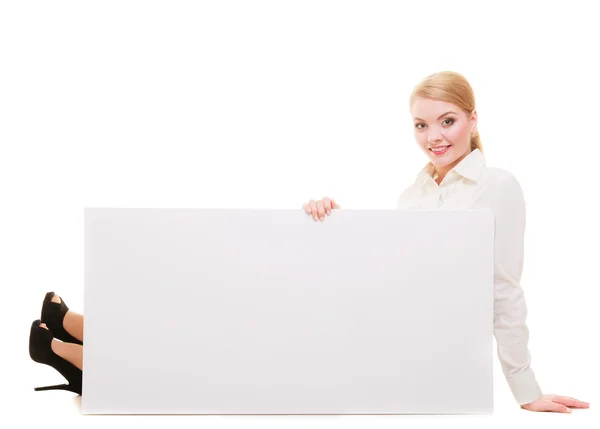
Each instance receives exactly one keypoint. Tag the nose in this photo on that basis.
(434, 137)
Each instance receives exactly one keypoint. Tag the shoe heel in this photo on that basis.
(55, 387)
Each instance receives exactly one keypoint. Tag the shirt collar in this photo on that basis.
(469, 167)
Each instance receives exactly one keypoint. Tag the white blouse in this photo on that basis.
(473, 185)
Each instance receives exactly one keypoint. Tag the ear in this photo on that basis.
(473, 121)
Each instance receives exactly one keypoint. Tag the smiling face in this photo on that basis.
(438, 124)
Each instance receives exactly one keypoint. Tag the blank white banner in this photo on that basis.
(245, 311)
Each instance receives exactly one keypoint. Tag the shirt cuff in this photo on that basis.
(524, 387)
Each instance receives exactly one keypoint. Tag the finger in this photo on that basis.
(321, 209)
(576, 400)
(313, 209)
(570, 402)
(555, 407)
(306, 207)
(334, 204)
(327, 205)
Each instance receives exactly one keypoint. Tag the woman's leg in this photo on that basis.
(73, 322)
(68, 351)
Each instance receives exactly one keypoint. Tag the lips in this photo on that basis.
(440, 152)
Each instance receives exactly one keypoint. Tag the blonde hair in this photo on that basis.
(450, 87)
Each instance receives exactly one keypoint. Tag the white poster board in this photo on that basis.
(245, 311)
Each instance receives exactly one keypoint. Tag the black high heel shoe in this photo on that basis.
(40, 350)
(53, 315)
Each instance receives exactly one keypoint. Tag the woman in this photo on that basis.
(445, 126)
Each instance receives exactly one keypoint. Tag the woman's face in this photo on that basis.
(441, 124)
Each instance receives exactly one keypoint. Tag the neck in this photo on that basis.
(442, 171)
(439, 178)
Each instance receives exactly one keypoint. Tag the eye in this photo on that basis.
(448, 119)
(417, 126)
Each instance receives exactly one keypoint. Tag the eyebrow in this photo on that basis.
(440, 117)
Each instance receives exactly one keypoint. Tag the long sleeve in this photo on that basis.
(510, 309)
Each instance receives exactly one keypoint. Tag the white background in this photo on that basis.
(268, 104)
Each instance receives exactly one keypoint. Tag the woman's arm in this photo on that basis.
(510, 308)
